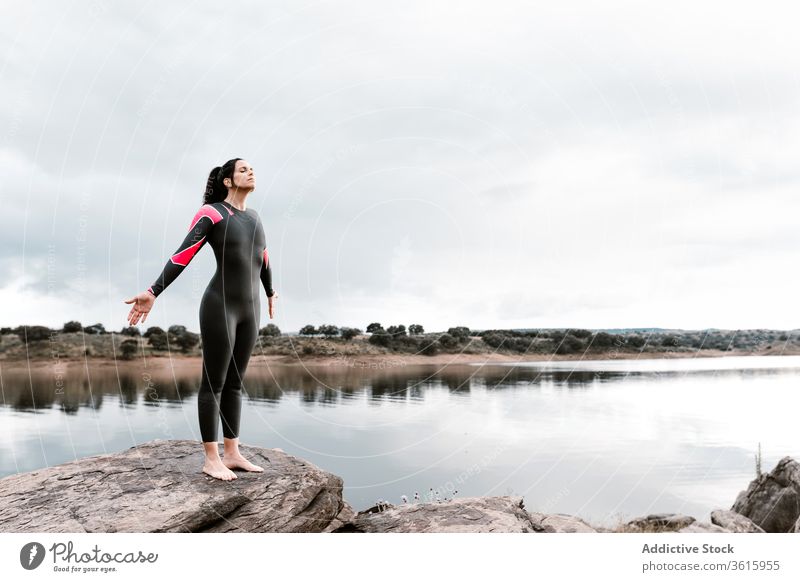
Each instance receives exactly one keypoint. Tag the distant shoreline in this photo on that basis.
(384, 361)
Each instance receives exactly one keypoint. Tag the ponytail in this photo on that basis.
(216, 191)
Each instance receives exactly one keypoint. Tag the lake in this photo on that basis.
(606, 440)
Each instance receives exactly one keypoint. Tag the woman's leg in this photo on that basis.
(217, 328)
(231, 400)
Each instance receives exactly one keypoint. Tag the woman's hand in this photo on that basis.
(271, 305)
(142, 304)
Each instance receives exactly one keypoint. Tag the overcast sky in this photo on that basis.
(488, 164)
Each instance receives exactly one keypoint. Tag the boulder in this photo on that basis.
(559, 523)
(703, 527)
(772, 500)
(734, 522)
(159, 486)
(504, 514)
(659, 522)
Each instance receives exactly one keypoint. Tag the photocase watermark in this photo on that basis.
(66, 559)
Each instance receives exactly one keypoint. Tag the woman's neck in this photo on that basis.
(239, 202)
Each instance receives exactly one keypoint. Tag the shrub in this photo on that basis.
(460, 333)
(380, 338)
(129, 348)
(328, 330)
(153, 330)
(73, 327)
(187, 340)
(349, 333)
(270, 330)
(158, 341)
(308, 330)
(33, 333)
(396, 330)
(447, 341)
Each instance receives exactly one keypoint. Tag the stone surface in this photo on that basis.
(559, 523)
(159, 486)
(734, 522)
(660, 522)
(703, 527)
(772, 501)
(504, 514)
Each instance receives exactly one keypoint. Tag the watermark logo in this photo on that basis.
(31, 555)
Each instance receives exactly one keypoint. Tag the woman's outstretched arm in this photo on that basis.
(201, 225)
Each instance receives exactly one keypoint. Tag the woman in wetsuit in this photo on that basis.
(229, 310)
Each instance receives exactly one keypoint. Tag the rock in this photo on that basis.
(159, 486)
(469, 514)
(734, 522)
(559, 523)
(703, 527)
(772, 500)
(659, 522)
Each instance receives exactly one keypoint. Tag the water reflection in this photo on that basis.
(85, 388)
(585, 438)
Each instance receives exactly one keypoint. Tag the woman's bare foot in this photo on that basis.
(218, 470)
(237, 461)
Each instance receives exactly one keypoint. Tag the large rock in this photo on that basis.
(659, 522)
(703, 527)
(159, 486)
(772, 500)
(734, 522)
(469, 514)
(559, 523)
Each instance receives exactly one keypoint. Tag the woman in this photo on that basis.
(230, 309)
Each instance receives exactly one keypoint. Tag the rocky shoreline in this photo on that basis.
(158, 487)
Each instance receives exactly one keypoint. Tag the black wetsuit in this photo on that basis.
(230, 309)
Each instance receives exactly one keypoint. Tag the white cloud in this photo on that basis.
(577, 164)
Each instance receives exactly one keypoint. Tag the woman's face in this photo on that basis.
(244, 177)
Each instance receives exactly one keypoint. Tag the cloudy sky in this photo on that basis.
(488, 164)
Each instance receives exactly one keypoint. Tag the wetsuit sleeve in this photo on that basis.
(200, 227)
(266, 275)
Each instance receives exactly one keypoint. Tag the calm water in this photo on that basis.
(600, 439)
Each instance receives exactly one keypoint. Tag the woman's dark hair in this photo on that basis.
(215, 189)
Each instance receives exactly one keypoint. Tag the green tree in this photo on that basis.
(33, 333)
(447, 341)
(349, 333)
(96, 329)
(461, 333)
(396, 330)
(602, 340)
(415, 329)
(308, 330)
(270, 330)
(187, 340)
(131, 330)
(380, 338)
(73, 327)
(154, 330)
(129, 348)
(328, 330)
(374, 328)
(158, 341)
